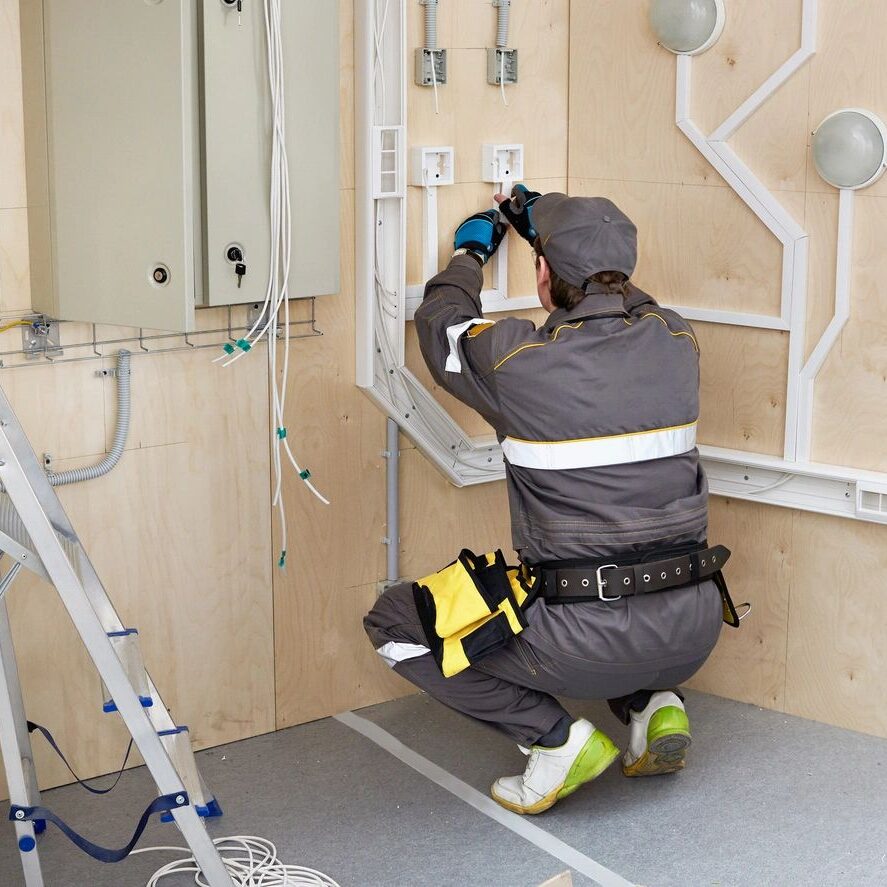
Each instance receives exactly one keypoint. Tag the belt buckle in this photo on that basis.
(601, 582)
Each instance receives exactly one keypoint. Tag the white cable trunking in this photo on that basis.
(384, 301)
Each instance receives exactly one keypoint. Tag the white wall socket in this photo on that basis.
(431, 166)
(502, 163)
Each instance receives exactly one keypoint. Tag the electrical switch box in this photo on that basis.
(501, 66)
(502, 163)
(431, 166)
(148, 143)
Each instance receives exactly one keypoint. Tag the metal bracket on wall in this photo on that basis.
(257, 314)
(40, 338)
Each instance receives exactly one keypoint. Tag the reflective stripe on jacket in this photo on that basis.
(596, 411)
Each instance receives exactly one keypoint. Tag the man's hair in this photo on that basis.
(565, 295)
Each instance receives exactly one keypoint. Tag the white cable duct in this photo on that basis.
(274, 315)
(91, 472)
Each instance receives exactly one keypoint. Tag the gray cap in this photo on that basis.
(582, 236)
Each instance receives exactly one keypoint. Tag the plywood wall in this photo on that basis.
(182, 532)
(812, 646)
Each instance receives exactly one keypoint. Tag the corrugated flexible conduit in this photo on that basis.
(504, 7)
(430, 23)
(90, 472)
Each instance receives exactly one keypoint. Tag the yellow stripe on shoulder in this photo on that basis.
(479, 328)
(526, 345)
(664, 322)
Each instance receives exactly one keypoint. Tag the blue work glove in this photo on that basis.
(519, 211)
(481, 233)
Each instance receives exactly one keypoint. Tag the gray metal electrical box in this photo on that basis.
(148, 130)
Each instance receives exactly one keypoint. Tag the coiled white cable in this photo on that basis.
(251, 862)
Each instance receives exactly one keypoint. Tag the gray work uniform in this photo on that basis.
(596, 414)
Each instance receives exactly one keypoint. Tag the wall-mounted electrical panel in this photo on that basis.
(148, 128)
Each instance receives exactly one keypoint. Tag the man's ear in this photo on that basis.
(543, 271)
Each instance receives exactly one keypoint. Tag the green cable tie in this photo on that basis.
(281, 433)
(228, 348)
(282, 562)
(243, 344)
(305, 474)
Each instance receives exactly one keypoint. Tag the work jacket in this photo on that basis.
(595, 410)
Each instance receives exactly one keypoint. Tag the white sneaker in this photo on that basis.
(660, 737)
(554, 773)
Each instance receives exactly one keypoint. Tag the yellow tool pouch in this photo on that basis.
(473, 607)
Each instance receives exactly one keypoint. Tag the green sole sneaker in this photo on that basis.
(597, 754)
(668, 738)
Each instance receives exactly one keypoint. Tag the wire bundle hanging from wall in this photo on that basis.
(275, 313)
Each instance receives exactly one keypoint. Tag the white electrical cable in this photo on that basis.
(251, 862)
(274, 314)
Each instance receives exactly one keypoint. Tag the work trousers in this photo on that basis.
(513, 689)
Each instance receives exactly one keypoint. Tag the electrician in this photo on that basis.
(596, 413)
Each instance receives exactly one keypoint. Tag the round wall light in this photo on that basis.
(687, 27)
(850, 148)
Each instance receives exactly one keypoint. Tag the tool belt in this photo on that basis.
(476, 605)
(473, 607)
(577, 581)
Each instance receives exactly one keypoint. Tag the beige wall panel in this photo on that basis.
(471, 110)
(751, 415)
(698, 246)
(749, 663)
(324, 663)
(836, 652)
(332, 666)
(12, 139)
(15, 272)
(849, 69)
(438, 520)
(622, 100)
(180, 538)
(850, 422)
(758, 37)
(61, 409)
(822, 227)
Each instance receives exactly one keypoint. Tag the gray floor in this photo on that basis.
(765, 800)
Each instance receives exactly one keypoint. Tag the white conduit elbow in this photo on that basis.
(90, 472)
(430, 23)
(504, 7)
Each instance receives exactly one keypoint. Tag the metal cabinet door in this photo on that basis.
(122, 119)
(237, 147)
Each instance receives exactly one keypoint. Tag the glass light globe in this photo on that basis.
(687, 27)
(850, 148)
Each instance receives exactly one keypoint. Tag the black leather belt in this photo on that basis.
(610, 581)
